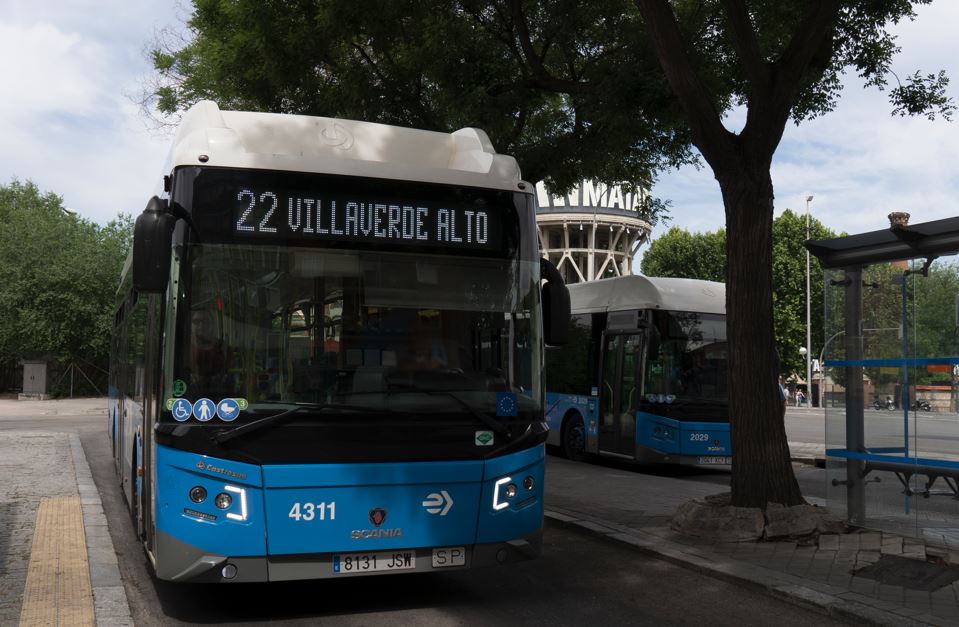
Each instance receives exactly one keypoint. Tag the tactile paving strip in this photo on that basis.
(57, 590)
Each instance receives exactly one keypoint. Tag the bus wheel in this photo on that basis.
(574, 439)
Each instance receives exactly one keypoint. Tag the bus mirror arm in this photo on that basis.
(152, 247)
(556, 305)
(177, 211)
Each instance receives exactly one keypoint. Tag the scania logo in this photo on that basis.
(377, 516)
(369, 534)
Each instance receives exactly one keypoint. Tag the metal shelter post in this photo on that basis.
(855, 401)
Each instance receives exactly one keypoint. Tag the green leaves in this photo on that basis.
(923, 95)
(679, 253)
(58, 275)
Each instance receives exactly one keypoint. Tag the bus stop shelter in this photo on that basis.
(891, 354)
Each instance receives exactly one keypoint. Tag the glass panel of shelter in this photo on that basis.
(906, 350)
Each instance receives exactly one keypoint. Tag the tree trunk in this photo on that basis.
(762, 472)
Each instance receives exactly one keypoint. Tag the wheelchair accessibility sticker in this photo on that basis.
(181, 409)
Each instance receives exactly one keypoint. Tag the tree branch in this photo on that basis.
(540, 75)
(743, 38)
(769, 108)
(708, 132)
(807, 41)
(370, 62)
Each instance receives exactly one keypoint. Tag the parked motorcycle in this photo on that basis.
(888, 404)
(921, 405)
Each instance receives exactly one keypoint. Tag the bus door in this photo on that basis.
(153, 398)
(619, 392)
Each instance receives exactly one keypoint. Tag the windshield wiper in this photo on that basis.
(489, 421)
(286, 416)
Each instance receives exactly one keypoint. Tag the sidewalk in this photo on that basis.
(57, 561)
(635, 508)
(60, 407)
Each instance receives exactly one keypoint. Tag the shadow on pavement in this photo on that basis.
(674, 471)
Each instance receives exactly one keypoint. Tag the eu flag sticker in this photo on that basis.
(506, 404)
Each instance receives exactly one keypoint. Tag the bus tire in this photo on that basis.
(574, 438)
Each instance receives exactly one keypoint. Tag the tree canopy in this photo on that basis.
(545, 80)
(58, 277)
(615, 90)
(679, 253)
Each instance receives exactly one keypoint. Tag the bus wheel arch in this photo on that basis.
(573, 436)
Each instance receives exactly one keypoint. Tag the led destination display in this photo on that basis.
(274, 213)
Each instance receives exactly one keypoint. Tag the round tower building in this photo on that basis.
(593, 232)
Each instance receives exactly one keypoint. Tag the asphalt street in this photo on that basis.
(930, 433)
(581, 578)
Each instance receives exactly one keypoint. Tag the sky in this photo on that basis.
(71, 124)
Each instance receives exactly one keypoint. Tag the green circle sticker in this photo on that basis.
(179, 387)
(169, 404)
(241, 403)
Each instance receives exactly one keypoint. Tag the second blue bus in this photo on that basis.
(644, 375)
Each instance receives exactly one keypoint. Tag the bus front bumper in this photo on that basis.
(182, 562)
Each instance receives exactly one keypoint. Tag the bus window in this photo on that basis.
(565, 373)
(691, 362)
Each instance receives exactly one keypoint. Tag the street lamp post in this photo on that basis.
(803, 353)
(808, 327)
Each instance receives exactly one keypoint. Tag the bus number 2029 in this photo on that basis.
(313, 511)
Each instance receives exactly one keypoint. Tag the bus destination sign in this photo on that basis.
(268, 213)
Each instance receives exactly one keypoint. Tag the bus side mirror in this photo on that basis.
(152, 242)
(556, 308)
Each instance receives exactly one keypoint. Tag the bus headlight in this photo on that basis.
(528, 483)
(241, 493)
(198, 494)
(499, 503)
(223, 500)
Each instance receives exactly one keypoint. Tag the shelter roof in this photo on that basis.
(927, 239)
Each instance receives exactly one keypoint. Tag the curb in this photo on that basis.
(809, 460)
(109, 597)
(796, 590)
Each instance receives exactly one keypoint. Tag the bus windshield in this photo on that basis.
(691, 361)
(432, 334)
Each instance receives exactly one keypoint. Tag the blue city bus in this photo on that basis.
(643, 376)
(327, 354)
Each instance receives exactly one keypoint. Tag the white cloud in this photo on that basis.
(48, 72)
(66, 119)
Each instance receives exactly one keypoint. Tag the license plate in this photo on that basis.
(373, 562)
(716, 460)
(450, 556)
